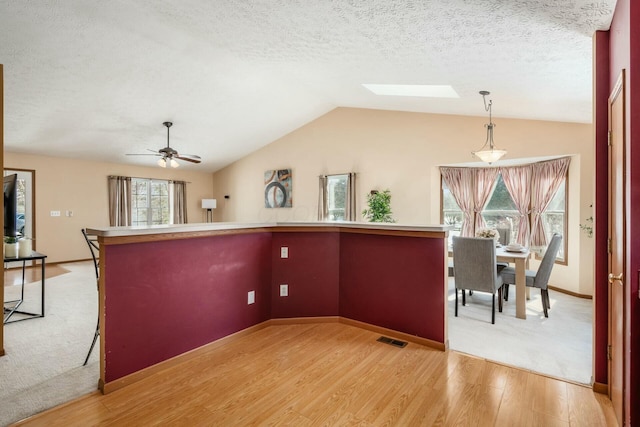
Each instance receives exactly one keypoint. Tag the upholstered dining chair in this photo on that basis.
(537, 279)
(474, 260)
(95, 251)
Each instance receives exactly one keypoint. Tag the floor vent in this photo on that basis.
(391, 341)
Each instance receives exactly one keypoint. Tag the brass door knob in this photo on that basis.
(613, 277)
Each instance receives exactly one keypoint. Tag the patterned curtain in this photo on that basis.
(179, 202)
(518, 183)
(484, 185)
(119, 201)
(460, 183)
(545, 180)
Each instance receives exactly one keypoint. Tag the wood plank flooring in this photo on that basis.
(13, 276)
(336, 375)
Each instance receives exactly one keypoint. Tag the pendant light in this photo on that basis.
(488, 153)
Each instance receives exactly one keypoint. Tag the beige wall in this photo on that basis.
(402, 151)
(80, 186)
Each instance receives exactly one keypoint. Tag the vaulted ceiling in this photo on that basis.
(96, 79)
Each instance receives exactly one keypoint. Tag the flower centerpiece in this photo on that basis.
(489, 233)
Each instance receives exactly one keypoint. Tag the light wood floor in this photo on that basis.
(13, 276)
(333, 374)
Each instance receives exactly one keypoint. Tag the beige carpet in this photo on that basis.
(559, 346)
(42, 367)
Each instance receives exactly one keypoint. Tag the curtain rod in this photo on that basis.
(151, 179)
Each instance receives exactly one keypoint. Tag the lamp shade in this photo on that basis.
(208, 203)
(490, 156)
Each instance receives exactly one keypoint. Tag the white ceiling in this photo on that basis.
(95, 79)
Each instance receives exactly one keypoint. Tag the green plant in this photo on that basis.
(588, 228)
(379, 207)
(9, 239)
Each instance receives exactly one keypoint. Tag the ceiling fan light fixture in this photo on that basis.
(169, 156)
(491, 154)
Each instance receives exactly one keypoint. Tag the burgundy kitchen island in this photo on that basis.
(167, 292)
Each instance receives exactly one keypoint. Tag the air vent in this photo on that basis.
(391, 341)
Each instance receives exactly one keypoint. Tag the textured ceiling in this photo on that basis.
(95, 79)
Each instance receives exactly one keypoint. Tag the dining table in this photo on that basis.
(520, 259)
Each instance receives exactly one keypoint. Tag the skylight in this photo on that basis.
(429, 91)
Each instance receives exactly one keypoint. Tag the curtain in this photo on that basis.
(485, 182)
(119, 200)
(518, 183)
(323, 208)
(460, 183)
(546, 178)
(179, 202)
(350, 213)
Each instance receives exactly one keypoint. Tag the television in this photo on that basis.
(11, 205)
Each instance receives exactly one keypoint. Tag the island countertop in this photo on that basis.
(226, 227)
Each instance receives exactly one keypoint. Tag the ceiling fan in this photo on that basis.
(168, 155)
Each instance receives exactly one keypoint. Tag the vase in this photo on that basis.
(24, 248)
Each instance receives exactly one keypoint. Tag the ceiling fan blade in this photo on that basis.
(188, 158)
(142, 154)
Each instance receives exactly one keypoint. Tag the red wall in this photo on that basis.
(394, 282)
(601, 234)
(311, 271)
(633, 319)
(624, 53)
(166, 298)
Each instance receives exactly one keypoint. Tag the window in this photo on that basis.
(501, 213)
(337, 197)
(554, 218)
(150, 202)
(451, 213)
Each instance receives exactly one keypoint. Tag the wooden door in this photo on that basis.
(617, 228)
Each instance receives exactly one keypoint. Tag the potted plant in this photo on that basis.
(379, 207)
(10, 247)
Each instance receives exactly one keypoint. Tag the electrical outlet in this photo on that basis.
(284, 290)
(284, 252)
(55, 213)
(251, 297)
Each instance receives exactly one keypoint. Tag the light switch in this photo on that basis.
(284, 290)
(251, 297)
(284, 252)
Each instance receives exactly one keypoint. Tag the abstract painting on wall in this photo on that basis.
(277, 189)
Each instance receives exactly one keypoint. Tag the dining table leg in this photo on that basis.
(521, 289)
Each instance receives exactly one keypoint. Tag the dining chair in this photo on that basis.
(537, 279)
(95, 251)
(474, 261)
